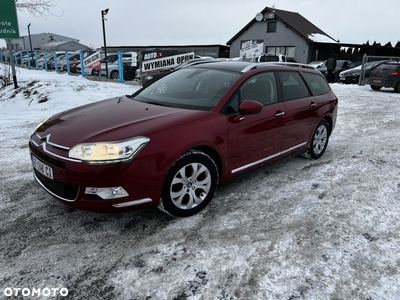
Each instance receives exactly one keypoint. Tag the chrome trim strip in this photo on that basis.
(265, 159)
(50, 192)
(50, 143)
(132, 203)
(51, 153)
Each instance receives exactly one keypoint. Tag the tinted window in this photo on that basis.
(316, 83)
(261, 88)
(293, 86)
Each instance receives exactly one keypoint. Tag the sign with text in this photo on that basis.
(251, 48)
(93, 61)
(8, 20)
(165, 63)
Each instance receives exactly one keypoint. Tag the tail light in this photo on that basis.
(396, 72)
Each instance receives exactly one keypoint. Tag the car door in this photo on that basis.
(300, 110)
(255, 139)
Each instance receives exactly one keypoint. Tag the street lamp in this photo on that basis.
(30, 41)
(103, 13)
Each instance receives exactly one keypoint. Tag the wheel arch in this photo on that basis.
(330, 122)
(214, 155)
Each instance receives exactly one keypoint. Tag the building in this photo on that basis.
(63, 46)
(38, 39)
(216, 51)
(284, 32)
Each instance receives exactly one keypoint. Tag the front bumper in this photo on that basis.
(73, 182)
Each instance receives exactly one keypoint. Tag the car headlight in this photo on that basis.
(108, 152)
(355, 74)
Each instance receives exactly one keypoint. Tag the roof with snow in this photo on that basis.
(294, 21)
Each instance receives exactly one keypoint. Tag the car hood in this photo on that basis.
(113, 119)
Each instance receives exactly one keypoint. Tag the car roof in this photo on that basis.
(244, 66)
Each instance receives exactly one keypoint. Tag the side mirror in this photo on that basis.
(250, 107)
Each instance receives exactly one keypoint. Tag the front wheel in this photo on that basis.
(190, 185)
(319, 141)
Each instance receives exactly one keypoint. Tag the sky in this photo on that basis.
(300, 229)
(197, 22)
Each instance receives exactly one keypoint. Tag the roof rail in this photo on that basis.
(276, 63)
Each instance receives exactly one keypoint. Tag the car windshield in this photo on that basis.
(189, 88)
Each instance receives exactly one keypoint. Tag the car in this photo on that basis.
(352, 75)
(386, 75)
(112, 62)
(150, 77)
(113, 69)
(340, 66)
(170, 144)
(72, 57)
(271, 57)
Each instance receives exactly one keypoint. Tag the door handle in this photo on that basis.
(312, 104)
(280, 114)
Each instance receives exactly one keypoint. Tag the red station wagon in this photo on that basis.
(171, 143)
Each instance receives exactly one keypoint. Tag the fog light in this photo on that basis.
(107, 193)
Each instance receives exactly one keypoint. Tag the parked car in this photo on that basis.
(150, 77)
(353, 75)
(386, 75)
(170, 144)
(72, 57)
(113, 58)
(113, 69)
(340, 66)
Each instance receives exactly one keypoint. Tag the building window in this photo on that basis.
(288, 51)
(271, 26)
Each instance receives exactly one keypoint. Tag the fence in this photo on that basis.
(83, 63)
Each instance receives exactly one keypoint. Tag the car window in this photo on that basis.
(261, 88)
(191, 88)
(292, 86)
(316, 83)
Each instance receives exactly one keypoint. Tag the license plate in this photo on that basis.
(376, 81)
(42, 168)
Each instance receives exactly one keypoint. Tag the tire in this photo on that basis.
(397, 88)
(375, 87)
(319, 140)
(65, 68)
(190, 185)
(114, 75)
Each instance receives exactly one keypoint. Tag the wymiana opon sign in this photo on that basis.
(165, 63)
(8, 20)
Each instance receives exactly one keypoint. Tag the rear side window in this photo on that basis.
(316, 83)
(292, 86)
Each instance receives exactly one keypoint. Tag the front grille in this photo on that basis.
(65, 191)
(46, 159)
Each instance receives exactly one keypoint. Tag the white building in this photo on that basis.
(38, 39)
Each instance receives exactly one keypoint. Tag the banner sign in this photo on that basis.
(165, 63)
(8, 20)
(93, 61)
(251, 48)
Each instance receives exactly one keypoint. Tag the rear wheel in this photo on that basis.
(397, 88)
(375, 87)
(190, 185)
(319, 141)
(114, 75)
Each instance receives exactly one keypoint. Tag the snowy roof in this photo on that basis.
(321, 38)
(293, 20)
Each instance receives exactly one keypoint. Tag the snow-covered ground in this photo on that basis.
(300, 229)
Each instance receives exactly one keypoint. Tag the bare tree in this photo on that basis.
(38, 8)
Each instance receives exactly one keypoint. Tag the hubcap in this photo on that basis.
(190, 186)
(320, 138)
